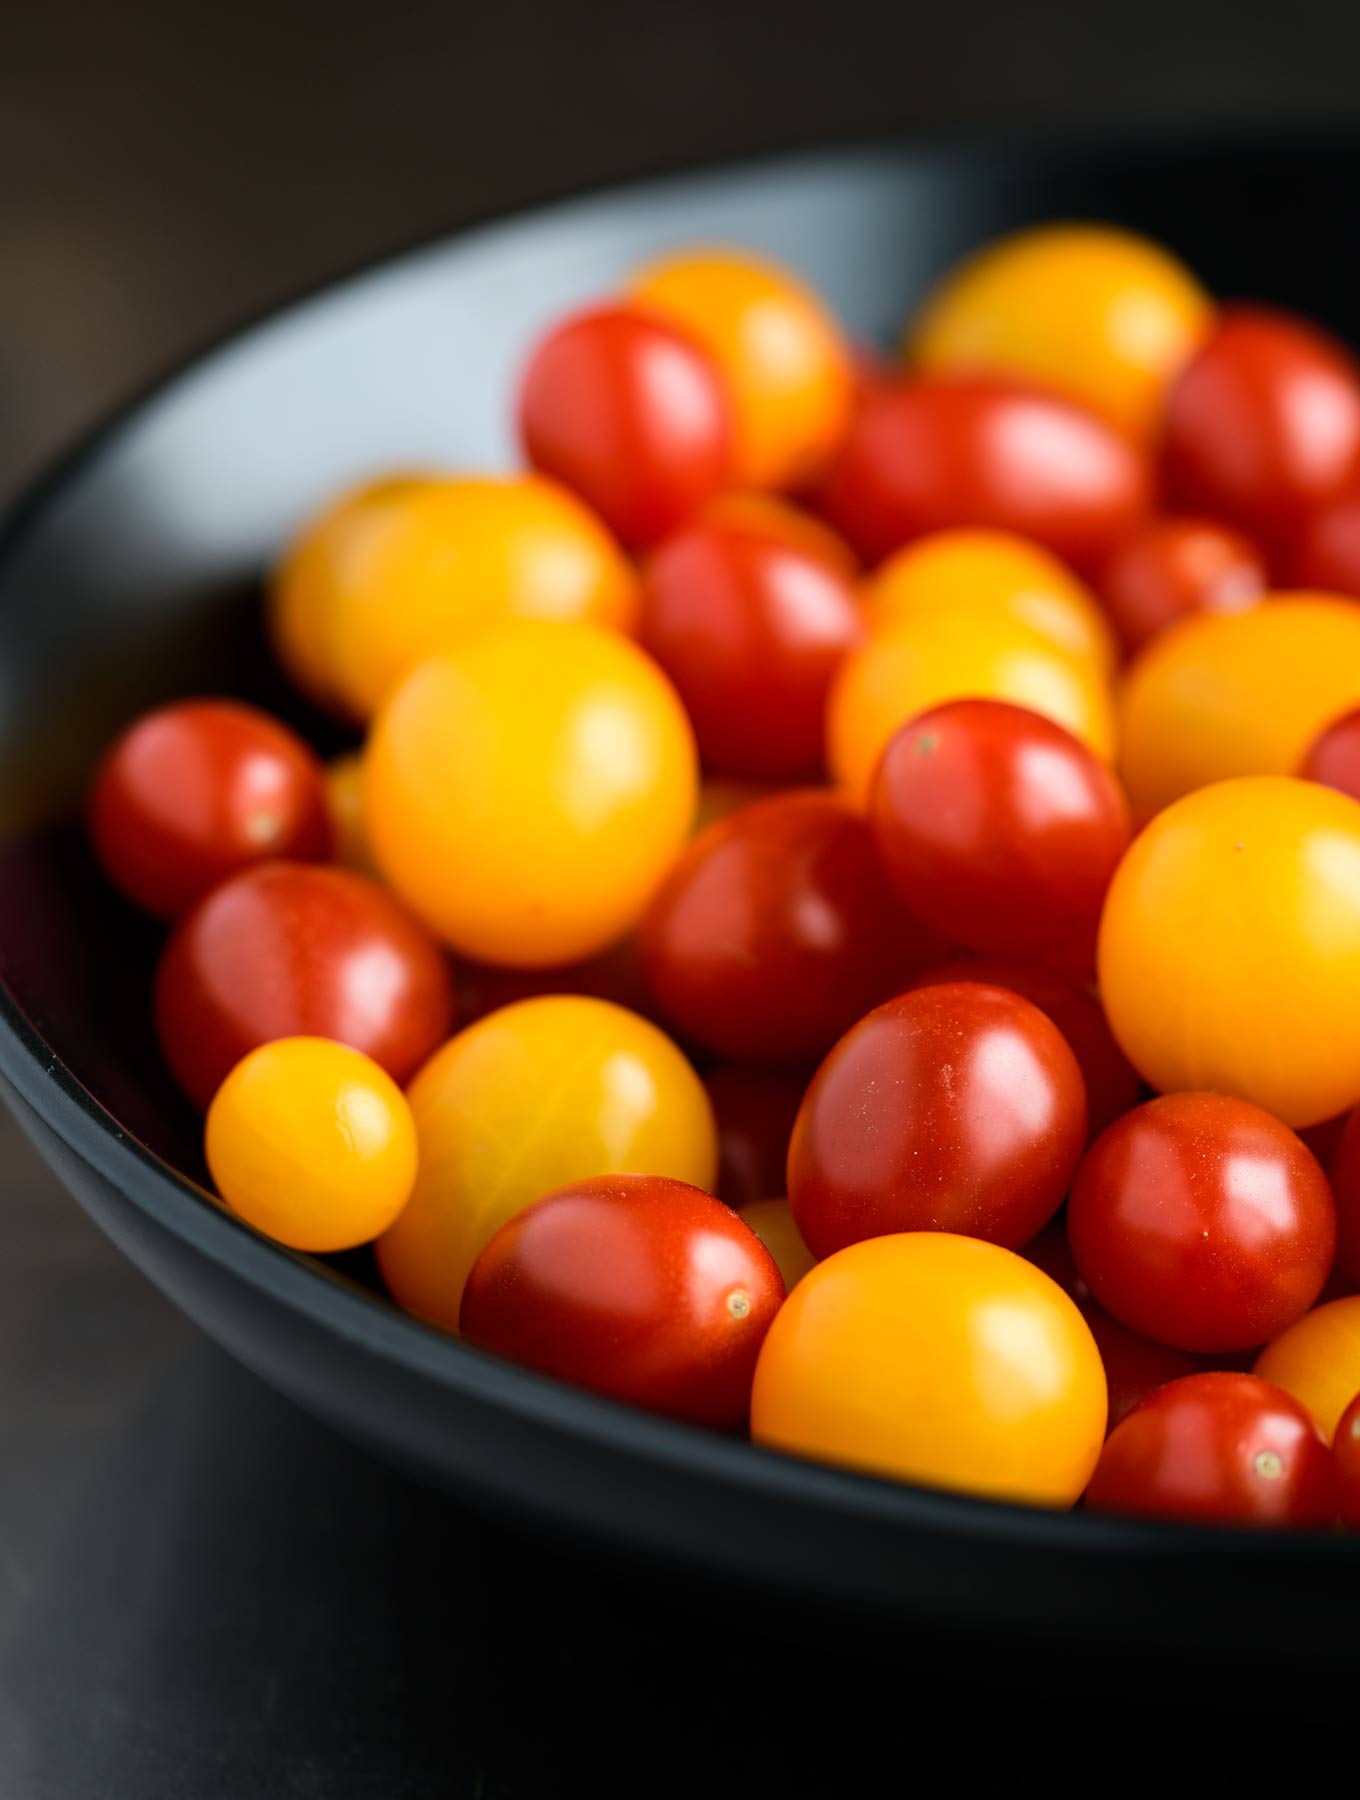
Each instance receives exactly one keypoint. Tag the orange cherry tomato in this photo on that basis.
(1318, 1360)
(935, 1359)
(773, 1223)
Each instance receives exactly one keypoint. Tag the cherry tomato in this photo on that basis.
(1217, 1448)
(783, 357)
(1327, 551)
(936, 1359)
(1346, 1451)
(631, 415)
(1172, 569)
(196, 791)
(773, 1223)
(998, 828)
(786, 524)
(1236, 694)
(526, 792)
(1099, 314)
(947, 1109)
(1263, 424)
(345, 805)
(1334, 757)
(293, 950)
(1229, 948)
(776, 929)
(637, 1286)
(1343, 1168)
(1200, 1221)
(539, 1094)
(755, 1110)
(751, 632)
(1318, 1360)
(312, 1143)
(929, 455)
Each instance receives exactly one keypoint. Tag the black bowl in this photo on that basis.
(133, 573)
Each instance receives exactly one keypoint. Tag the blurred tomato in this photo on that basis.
(1344, 1170)
(1334, 757)
(773, 1223)
(615, 974)
(1346, 1451)
(1171, 569)
(755, 1110)
(786, 524)
(1327, 553)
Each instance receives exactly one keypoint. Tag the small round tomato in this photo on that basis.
(781, 354)
(947, 1109)
(541, 1093)
(293, 950)
(999, 828)
(312, 1143)
(1263, 424)
(1172, 569)
(751, 632)
(1229, 949)
(773, 1223)
(755, 1110)
(777, 929)
(637, 1286)
(1346, 1451)
(526, 792)
(1318, 1360)
(931, 455)
(936, 1359)
(1343, 1168)
(1334, 757)
(1327, 551)
(1202, 1222)
(1217, 1448)
(786, 524)
(630, 414)
(196, 791)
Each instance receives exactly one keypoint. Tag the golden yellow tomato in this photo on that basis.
(937, 1359)
(784, 359)
(1230, 947)
(345, 804)
(526, 792)
(1236, 694)
(1318, 1361)
(312, 1143)
(1099, 314)
(541, 1093)
(772, 1222)
(905, 668)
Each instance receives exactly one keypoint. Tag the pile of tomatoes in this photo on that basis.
(845, 921)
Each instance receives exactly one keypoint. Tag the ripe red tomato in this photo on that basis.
(1263, 424)
(193, 792)
(755, 1110)
(1201, 1221)
(1327, 554)
(637, 1286)
(926, 455)
(1343, 1168)
(292, 950)
(1334, 757)
(947, 1109)
(777, 929)
(626, 410)
(1171, 568)
(1217, 1448)
(1346, 1455)
(999, 828)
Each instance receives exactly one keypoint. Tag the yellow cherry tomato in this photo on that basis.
(312, 1143)
(526, 793)
(1230, 947)
(772, 1221)
(345, 804)
(541, 1093)
(936, 1359)
(905, 668)
(1228, 694)
(1096, 313)
(787, 524)
(986, 573)
(1318, 1361)
(785, 361)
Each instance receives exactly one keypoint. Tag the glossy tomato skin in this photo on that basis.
(929, 455)
(618, 405)
(1327, 552)
(777, 929)
(636, 1286)
(1343, 1168)
(999, 828)
(1172, 568)
(292, 950)
(1202, 1222)
(947, 1109)
(1217, 1448)
(755, 1110)
(1346, 1451)
(1334, 757)
(751, 632)
(195, 791)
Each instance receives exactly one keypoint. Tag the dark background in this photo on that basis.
(203, 1593)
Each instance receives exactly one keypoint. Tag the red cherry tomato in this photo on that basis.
(930, 454)
(1327, 555)
(1263, 424)
(1171, 568)
(193, 792)
(1201, 1221)
(947, 1109)
(1217, 1448)
(1344, 1170)
(1334, 757)
(755, 1110)
(291, 950)
(1346, 1455)
(623, 408)
(999, 828)
(637, 1286)
(777, 929)
(751, 631)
